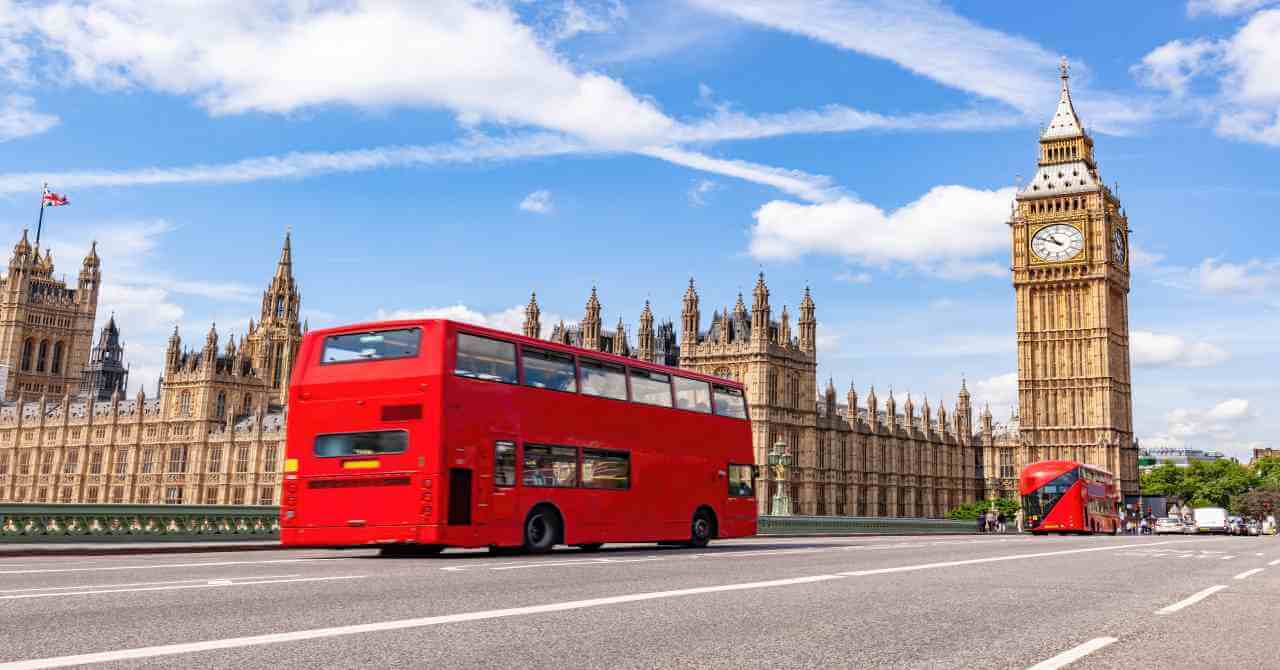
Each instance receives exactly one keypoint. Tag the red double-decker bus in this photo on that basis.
(420, 435)
(1069, 497)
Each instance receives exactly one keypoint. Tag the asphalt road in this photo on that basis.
(913, 602)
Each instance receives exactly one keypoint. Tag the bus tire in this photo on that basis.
(542, 529)
(590, 548)
(702, 529)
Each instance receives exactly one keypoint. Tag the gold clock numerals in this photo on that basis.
(1058, 242)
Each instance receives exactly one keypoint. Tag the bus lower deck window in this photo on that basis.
(606, 469)
(740, 480)
(504, 464)
(485, 358)
(550, 466)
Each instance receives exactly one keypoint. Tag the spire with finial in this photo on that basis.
(851, 399)
(646, 344)
(620, 338)
(784, 328)
(690, 317)
(1065, 123)
(808, 324)
(760, 312)
(591, 322)
(532, 317)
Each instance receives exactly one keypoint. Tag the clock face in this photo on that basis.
(1058, 242)
(1117, 246)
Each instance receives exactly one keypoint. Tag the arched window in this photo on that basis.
(248, 404)
(56, 368)
(26, 354)
(220, 408)
(279, 306)
(184, 403)
(42, 355)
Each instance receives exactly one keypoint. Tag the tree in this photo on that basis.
(970, 511)
(1166, 480)
(1257, 503)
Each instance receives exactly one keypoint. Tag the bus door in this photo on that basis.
(496, 479)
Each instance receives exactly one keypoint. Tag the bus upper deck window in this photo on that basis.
(729, 402)
(371, 346)
(694, 395)
(485, 358)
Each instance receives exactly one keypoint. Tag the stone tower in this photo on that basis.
(1071, 282)
(46, 328)
(106, 374)
(272, 344)
(532, 317)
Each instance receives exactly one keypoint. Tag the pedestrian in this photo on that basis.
(1017, 517)
(982, 522)
(1142, 527)
(1000, 522)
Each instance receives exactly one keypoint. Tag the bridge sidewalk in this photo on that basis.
(14, 550)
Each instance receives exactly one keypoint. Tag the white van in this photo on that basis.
(1212, 520)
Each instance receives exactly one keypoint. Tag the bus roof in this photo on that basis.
(527, 341)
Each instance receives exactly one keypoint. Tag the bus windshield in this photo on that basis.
(1038, 503)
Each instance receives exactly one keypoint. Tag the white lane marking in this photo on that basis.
(217, 583)
(273, 638)
(1275, 562)
(975, 561)
(1072, 655)
(1258, 554)
(1248, 573)
(160, 566)
(116, 586)
(1227, 558)
(1191, 600)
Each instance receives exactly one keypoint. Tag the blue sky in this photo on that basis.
(449, 157)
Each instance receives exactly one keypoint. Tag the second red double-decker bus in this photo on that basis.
(1069, 497)
(420, 435)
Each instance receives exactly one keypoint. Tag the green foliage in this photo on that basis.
(1222, 483)
(970, 511)
(1257, 504)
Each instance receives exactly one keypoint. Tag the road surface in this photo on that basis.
(908, 602)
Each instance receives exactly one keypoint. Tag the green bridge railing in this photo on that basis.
(208, 523)
(860, 525)
(126, 523)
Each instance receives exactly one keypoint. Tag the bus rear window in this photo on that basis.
(362, 444)
(371, 346)
(729, 402)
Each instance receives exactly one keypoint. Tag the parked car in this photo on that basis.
(1212, 520)
(1169, 524)
(1255, 528)
(1238, 526)
(1189, 526)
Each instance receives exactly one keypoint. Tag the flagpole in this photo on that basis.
(40, 221)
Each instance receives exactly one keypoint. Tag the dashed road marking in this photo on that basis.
(1187, 602)
(1074, 654)
(217, 583)
(163, 566)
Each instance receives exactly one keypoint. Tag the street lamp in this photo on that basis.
(779, 459)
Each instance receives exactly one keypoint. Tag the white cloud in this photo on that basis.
(1218, 423)
(1224, 7)
(474, 59)
(854, 277)
(573, 18)
(305, 164)
(538, 202)
(510, 320)
(699, 191)
(19, 118)
(727, 124)
(1246, 104)
(1254, 276)
(815, 188)
(1000, 391)
(1159, 350)
(949, 231)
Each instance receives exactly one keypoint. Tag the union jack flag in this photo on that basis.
(52, 199)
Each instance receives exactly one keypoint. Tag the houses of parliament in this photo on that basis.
(214, 434)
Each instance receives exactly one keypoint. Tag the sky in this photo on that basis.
(448, 158)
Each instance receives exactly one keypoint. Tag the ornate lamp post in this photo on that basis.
(779, 459)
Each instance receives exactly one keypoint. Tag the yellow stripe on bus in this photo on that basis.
(359, 465)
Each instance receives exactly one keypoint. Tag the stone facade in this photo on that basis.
(847, 460)
(1071, 282)
(215, 434)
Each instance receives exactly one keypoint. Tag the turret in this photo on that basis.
(909, 409)
(852, 400)
(646, 344)
(591, 322)
(784, 329)
(942, 418)
(964, 412)
(808, 324)
(210, 353)
(90, 276)
(173, 353)
(873, 409)
(532, 317)
(926, 416)
(891, 409)
(760, 312)
(986, 421)
(690, 317)
(830, 397)
(620, 339)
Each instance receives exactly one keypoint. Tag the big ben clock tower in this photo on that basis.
(1071, 281)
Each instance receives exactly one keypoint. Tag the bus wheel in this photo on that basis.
(541, 529)
(590, 548)
(702, 529)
